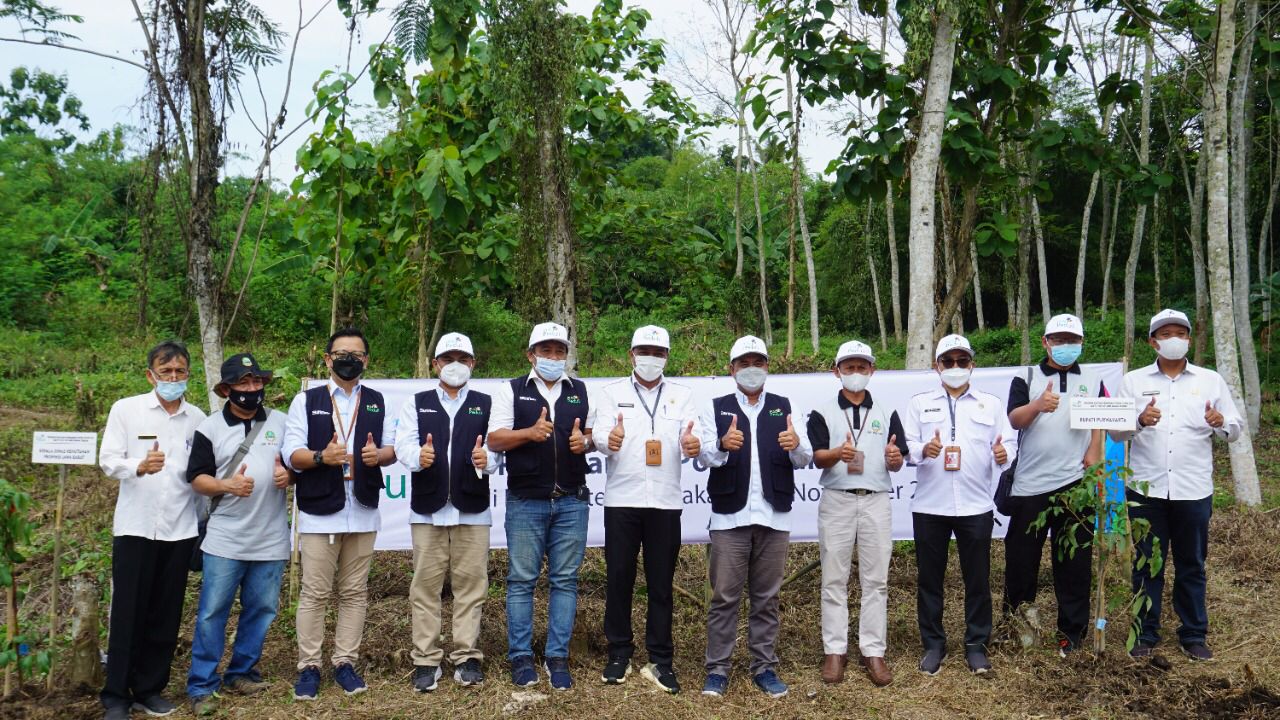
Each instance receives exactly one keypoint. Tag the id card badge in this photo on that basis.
(346, 471)
(951, 457)
(854, 466)
(652, 452)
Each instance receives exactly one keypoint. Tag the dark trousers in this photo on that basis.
(973, 541)
(1072, 575)
(1182, 526)
(626, 531)
(755, 556)
(148, 588)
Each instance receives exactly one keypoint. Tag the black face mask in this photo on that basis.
(248, 399)
(348, 368)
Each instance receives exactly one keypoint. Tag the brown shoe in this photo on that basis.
(878, 670)
(833, 668)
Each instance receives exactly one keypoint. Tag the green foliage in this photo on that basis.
(39, 99)
(15, 533)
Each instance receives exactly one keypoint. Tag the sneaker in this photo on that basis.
(348, 679)
(246, 685)
(1066, 647)
(1142, 651)
(558, 671)
(616, 670)
(931, 663)
(977, 661)
(523, 673)
(662, 676)
(308, 684)
(468, 673)
(715, 685)
(117, 712)
(155, 706)
(1197, 651)
(770, 684)
(425, 677)
(204, 705)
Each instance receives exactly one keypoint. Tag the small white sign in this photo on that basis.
(64, 448)
(1103, 413)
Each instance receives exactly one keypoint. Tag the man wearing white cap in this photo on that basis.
(1051, 459)
(1182, 408)
(543, 421)
(958, 438)
(753, 447)
(645, 431)
(441, 442)
(856, 444)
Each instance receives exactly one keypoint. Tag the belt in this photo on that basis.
(859, 491)
(559, 492)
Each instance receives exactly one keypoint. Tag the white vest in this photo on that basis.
(1050, 453)
(871, 438)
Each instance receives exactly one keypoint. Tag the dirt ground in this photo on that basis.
(1243, 682)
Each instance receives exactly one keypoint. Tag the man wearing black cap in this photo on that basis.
(235, 460)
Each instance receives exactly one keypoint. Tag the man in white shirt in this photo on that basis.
(753, 446)
(440, 439)
(1182, 408)
(337, 439)
(644, 429)
(144, 448)
(958, 438)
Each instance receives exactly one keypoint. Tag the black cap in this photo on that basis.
(236, 367)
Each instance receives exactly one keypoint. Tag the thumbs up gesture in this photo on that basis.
(689, 442)
(732, 439)
(281, 475)
(1151, 414)
(1212, 416)
(541, 430)
(370, 452)
(847, 449)
(617, 435)
(479, 458)
(933, 448)
(577, 441)
(240, 485)
(335, 453)
(153, 462)
(788, 438)
(1048, 399)
(892, 454)
(998, 452)
(427, 454)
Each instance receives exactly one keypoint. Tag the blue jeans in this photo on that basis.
(259, 584)
(1182, 527)
(557, 529)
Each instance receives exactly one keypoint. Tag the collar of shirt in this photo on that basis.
(1188, 369)
(1048, 369)
(534, 377)
(451, 404)
(746, 404)
(231, 418)
(335, 388)
(942, 394)
(845, 404)
(153, 401)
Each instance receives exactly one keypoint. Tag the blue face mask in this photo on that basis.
(171, 391)
(549, 369)
(1066, 355)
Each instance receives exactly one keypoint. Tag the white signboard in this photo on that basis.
(1103, 413)
(894, 388)
(64, 448)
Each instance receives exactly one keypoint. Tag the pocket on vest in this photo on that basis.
(313, 488)
(720, 484)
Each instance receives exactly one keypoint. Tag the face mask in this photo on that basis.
(348, 368)
(855, 382)
(171, 391)
(956, 378)
(1174, 348)
(751, 379)
(649, 368)
(1066, 355)
(248, 399)
(548, 369)
(455, 374)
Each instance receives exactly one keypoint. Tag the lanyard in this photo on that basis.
(337, 415)
(861, 425)
(951, 405)
(657, 403)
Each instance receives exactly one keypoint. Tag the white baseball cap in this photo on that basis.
(1168, 317)
(549, 332)
(1064, 323)
(855, 349)
(454, 341)
(952, 342)
(651, 335)
(746, 345)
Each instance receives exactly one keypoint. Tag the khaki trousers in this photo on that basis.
(346, 559)
(463, 552)
(846, 521)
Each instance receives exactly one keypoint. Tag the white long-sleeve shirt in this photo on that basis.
(408, 452)
(159, 506)
(1173, 459)
(979, 419)
(630, 481)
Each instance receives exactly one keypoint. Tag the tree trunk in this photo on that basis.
(1140, 215)
(737, 200)
(895, 288)
(441, 305)
(760, 251)
(977, 287)
(948, 259)
(805, 240)
(1195, 202)
(924, 172)
(875, 278)
(1243, 468)
(1111, 249)
(791, 275)
(1033, 209)
(84, 670)
(422, 368)
(558, 225)
(1264, 233)
(1010, 295)
(1084, 242)
(1024, 292)
(1241, 118)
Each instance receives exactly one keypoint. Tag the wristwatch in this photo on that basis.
(317, 457)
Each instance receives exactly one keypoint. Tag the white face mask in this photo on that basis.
(649, 367)
(1174, 348)
(455, 374)
(751, 379)
(855, 382)
(956, 378)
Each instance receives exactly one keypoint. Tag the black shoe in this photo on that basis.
(1066, 647)
(616, 671)
(977, 661)
(662, 676)
(931, 663)
(117, 712)
(1197, 651)
(468, 673)
(155, 706)
(425, 677)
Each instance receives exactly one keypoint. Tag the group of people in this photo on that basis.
(335, 438)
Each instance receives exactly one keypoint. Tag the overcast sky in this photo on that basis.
(111, 91)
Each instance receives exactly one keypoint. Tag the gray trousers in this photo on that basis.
(756, 556)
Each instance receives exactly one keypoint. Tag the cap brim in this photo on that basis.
(749, 352)
(944, 352)
(869, 358)
(1168, 321)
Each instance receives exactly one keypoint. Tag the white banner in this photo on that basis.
(890, 387)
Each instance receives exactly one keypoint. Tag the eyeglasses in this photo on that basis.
(349, 355)
(950, 362)
(170, 375)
